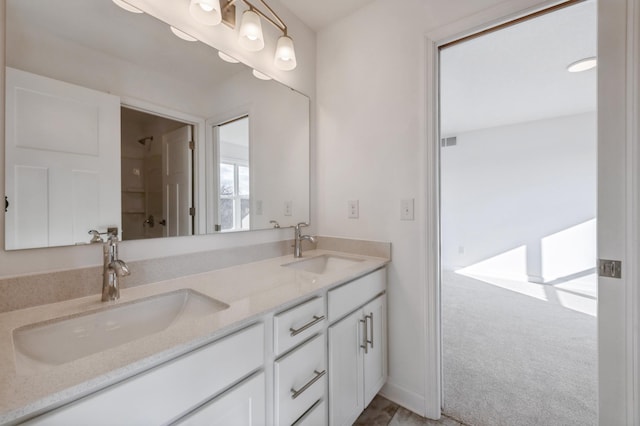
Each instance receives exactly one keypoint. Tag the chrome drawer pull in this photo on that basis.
(370, 317)
(366, 335)
(297, 393)
(316, 319)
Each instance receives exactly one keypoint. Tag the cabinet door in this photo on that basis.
(375, 359)
(243, 405)
(345, 370)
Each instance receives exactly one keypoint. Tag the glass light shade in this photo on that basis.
(227, 58)
(182, 34)
(206, 12)
(285, 54)
(251, 37)
(583, 64)
(126, 6)
(261, 76)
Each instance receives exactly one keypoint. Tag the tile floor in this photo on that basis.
(382, 412)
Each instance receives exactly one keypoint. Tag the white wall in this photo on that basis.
(23, 262)
(370, 148)
(529, 184)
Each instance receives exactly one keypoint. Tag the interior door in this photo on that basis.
(177, 181)
(62, 161)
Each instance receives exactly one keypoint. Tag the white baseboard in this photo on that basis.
(408, 399)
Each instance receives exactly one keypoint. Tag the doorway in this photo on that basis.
(518, 222)
(156, 175)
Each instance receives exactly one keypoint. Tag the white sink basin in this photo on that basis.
(323, 264)
(42, 345)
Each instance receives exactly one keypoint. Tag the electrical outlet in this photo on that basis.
(288, 208)
(406, 209)
(258, 207)
(353, 209)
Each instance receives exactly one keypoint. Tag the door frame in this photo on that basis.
(627, 376)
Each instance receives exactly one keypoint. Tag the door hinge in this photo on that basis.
(192, 145)
(610, 268)
(192, 211)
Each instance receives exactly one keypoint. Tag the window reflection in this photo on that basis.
(234, 192)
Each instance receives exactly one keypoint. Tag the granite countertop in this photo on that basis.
(250, 290)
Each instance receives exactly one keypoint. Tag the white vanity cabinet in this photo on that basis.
(357, 346)
(167, 392)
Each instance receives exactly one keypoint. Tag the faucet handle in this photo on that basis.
(301, 225)
(95, 236)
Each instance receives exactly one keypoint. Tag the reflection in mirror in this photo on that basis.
(156, 177)
(234, 201)
(74, 163)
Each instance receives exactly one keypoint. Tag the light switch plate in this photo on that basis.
(406, 209)
(353, 209)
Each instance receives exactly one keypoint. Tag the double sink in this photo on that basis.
(44, 345)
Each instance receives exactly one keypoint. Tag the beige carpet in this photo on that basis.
(512, 359)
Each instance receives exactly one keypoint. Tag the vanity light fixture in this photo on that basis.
(182, 34)
(285, 57)
(126, 6)
(206, 12)
(261, 76)
(584, 64)
(227, 58)
(250, 37)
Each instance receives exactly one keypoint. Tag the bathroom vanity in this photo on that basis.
(281, 341)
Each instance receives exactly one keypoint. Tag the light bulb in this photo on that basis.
(251, 37)
(285, 58)
(206, 12)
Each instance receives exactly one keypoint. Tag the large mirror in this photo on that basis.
(114, 121)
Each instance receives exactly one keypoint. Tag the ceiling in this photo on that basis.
(317, 14)
(518, 74)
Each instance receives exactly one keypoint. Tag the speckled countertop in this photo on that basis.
(250, 290)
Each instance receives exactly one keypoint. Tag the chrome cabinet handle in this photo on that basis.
(318, 376)
(316, 319)
(366, 336)
(370, 317)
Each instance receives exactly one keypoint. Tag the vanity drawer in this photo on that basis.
(348, 297)
(300, 380)
(297, 324)
(317, 416)
(166, 392)
(244, 404)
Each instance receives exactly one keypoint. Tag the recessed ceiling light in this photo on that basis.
(126, 6)
(584, 64)
(182, 34)
(261, 76)
(227, 58)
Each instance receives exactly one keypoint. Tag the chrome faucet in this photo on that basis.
(113, 269)
(297, 251)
